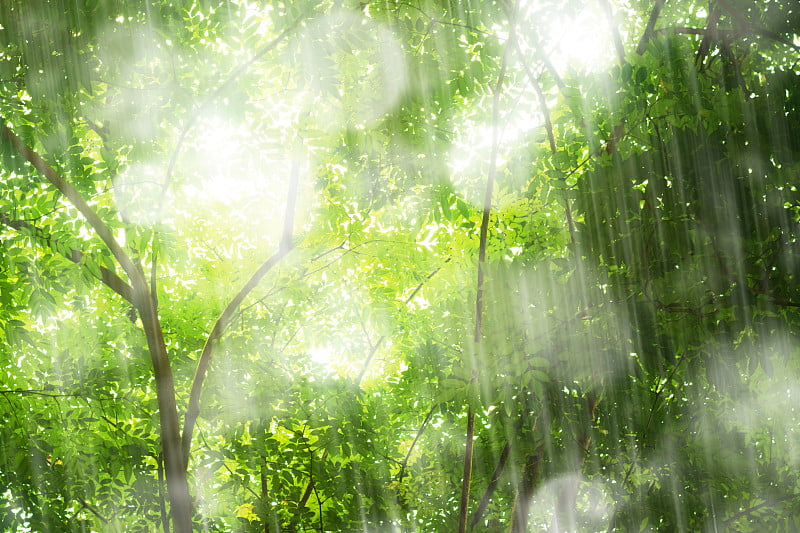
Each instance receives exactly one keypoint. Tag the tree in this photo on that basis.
(411, 266)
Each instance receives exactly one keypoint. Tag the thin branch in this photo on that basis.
(707, 33)
(487, 200)
(310, 487)
(758, 30)
(39, 392)
(66, 188)
(268, 517)
(306, 494)
(380, 341)
(467, 475)
(528, 483)
(711, 26)
(778, 300)
(86, 505)
(193, 407)
(551, 68)
(659, 390)
(548, 65)
(245, 479)
(754, 508)
(548, 124)
(432, 20)
(535, 83)
(421, 429)
(314, 485)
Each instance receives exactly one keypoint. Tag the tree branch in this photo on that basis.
(551, 138)
(44, 393)
(421, 429)
(527, 485)
(443, 22)
(758, 30)
(75, 198)
(490, 488)
(108, 277)
(193, 407)
(614, 30)
(707, 33)
(466, 478)
(86, 505)
(380, 341)
(754, 508)
(711, 26)
(651, 24)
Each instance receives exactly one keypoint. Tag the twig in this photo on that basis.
(92, 509)
(380, 341)
(754, 508)
(758, 30)
(548, 124)
(33, 392)
(442, 22)
(658, 392)
(108, 277)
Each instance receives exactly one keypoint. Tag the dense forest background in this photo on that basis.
(393, 266)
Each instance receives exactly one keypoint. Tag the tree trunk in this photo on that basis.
(177, 482)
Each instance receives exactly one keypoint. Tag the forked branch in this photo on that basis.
(180, 502)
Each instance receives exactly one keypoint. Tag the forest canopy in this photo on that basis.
(424, 265)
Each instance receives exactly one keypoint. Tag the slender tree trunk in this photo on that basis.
(467, 476)
(463, 511)
(268, 517)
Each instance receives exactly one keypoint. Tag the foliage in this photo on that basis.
(242, 246)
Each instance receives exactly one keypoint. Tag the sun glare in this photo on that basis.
(582, 41)
(217, 143)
